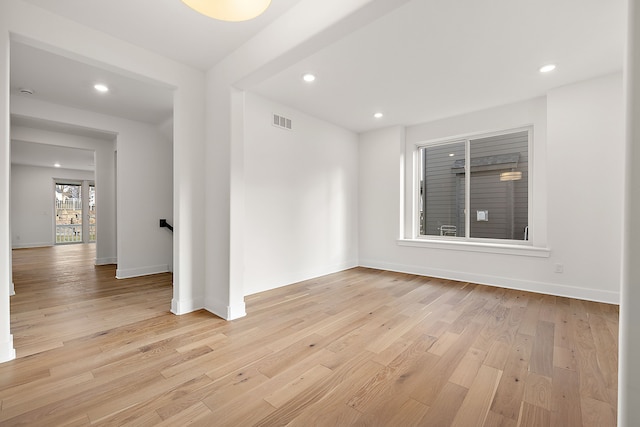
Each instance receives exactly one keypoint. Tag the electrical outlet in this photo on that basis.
(559, 268)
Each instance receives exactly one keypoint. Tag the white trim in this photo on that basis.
(12, 289)
(141, 271)
(227, 312)
(474, 246)
(237, 311)
(33, 245)
(7, 352)
(179, 307)
(106, 261)
(474, 135)
(291, 277)
(556, 289)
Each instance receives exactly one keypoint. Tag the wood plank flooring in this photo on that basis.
(361, 347)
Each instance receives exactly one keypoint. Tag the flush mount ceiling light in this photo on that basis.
(378, 115)
(547, 68)
(308, 77)
(56, 165)
(101, 88)
(229, 10)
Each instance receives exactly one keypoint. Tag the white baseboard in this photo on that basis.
(556, 289)
(180, 307)
(106, 261)
(227, 312)
(32, 245)
(127, 273)
(7, 352)
(298, 276)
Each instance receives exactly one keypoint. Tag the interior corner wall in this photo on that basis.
(380, 168)
(301, 197)
(32, 207)
(578, 147)
(586, 148)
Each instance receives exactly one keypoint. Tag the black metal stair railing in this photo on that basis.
(164, 223)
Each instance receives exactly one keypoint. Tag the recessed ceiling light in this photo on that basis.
(308, 77)
(547, 68)
(101, 87)
(378, 115)
(56, 165)
(451, 154)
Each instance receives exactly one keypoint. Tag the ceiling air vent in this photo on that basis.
(281, 122)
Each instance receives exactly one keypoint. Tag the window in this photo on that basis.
(475, 188)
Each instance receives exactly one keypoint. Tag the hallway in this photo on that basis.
(62, 296)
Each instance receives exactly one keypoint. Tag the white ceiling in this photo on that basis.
(425, 60)
(433, 59)
(65, 81)
(44, 155)
(47, 125)
(167, 27)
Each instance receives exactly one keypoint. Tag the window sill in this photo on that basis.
(491, 248)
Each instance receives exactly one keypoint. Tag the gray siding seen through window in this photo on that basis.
(498, 187)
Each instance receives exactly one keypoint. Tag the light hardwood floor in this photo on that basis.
(361, 347)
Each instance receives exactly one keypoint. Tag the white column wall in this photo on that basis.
(629, 367)
(188, 196)
(7, 352)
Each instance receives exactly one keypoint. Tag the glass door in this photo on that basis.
(92, 213)
(68, 203)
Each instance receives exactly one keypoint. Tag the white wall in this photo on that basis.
(32, 208)
(586, 152)
(144, 195)
(380, 197)
(300, 197)
(577, 189)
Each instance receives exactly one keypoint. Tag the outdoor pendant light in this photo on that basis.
(511, 176)
(229, 10)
